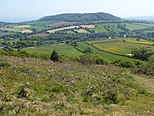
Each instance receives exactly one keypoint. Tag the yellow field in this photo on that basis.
(72, 27)
(26, 31)
(88, 26)
(141, 41)
(119, 46)
(129, 40)
(22, 26)
(60, 29)
(81, 31)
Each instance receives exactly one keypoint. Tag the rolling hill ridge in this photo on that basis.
(77, 17)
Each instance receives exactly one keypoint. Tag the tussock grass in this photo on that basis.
(31, 86)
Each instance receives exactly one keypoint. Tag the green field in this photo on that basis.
(96, 52)
(10, 29)
(38, 28)
(69, 51)
(100, 29)
(120, 47)
(136, 26)
(63, 49)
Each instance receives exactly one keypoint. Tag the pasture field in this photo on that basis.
(136, 26)
(5, 33)
(62, 49)
(129, 40)
(81, 31)
(89, 26)
(68, 50)
(39, 23)
(58, 24)
(120, 47)
(113, 27)
(10, 29)
(26, 31)
(60, 29)
(71, 27)
(22, 26)
(40, 35)
(111, 57)
(99, 29)
(39, 28)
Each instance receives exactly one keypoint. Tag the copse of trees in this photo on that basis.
(142, 53)
(88, 50)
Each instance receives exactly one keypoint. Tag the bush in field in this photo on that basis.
(124, 63)
(54, 56)
(87, 59)
(4, 64)
(142, 53)
(88, 50)
(137, 39)
(102, 61)
(146, 68)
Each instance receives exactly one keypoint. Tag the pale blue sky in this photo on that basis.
(37, 8)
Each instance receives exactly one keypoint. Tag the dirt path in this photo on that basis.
(147, 83)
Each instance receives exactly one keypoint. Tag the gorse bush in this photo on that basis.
(102, 61)
(89, 59)
(54, 56)
(124, 63)
(146, 68)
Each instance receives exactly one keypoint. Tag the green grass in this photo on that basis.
(40, 23)
(4, 33)
(40, 87)
(10, 29)
(113, 27)
(38, 28)
(108, 56)
(100, 29)
(135, 26)
(118, 46)
(63, 49)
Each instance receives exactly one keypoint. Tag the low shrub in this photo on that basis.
(102, 61)
(124, 63)
(2, 64)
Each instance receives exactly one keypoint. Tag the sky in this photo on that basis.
(21, 10)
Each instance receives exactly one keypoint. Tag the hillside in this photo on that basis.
(76, 17)
(30, 86)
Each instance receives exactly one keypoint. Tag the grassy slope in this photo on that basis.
(135, 26)
(63, 49)
(69, 89)
(100, 29)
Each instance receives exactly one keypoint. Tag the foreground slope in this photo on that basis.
(30, 86)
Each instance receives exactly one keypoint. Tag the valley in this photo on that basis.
(93, 64)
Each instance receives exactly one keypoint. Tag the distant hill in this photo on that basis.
(77, 17)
